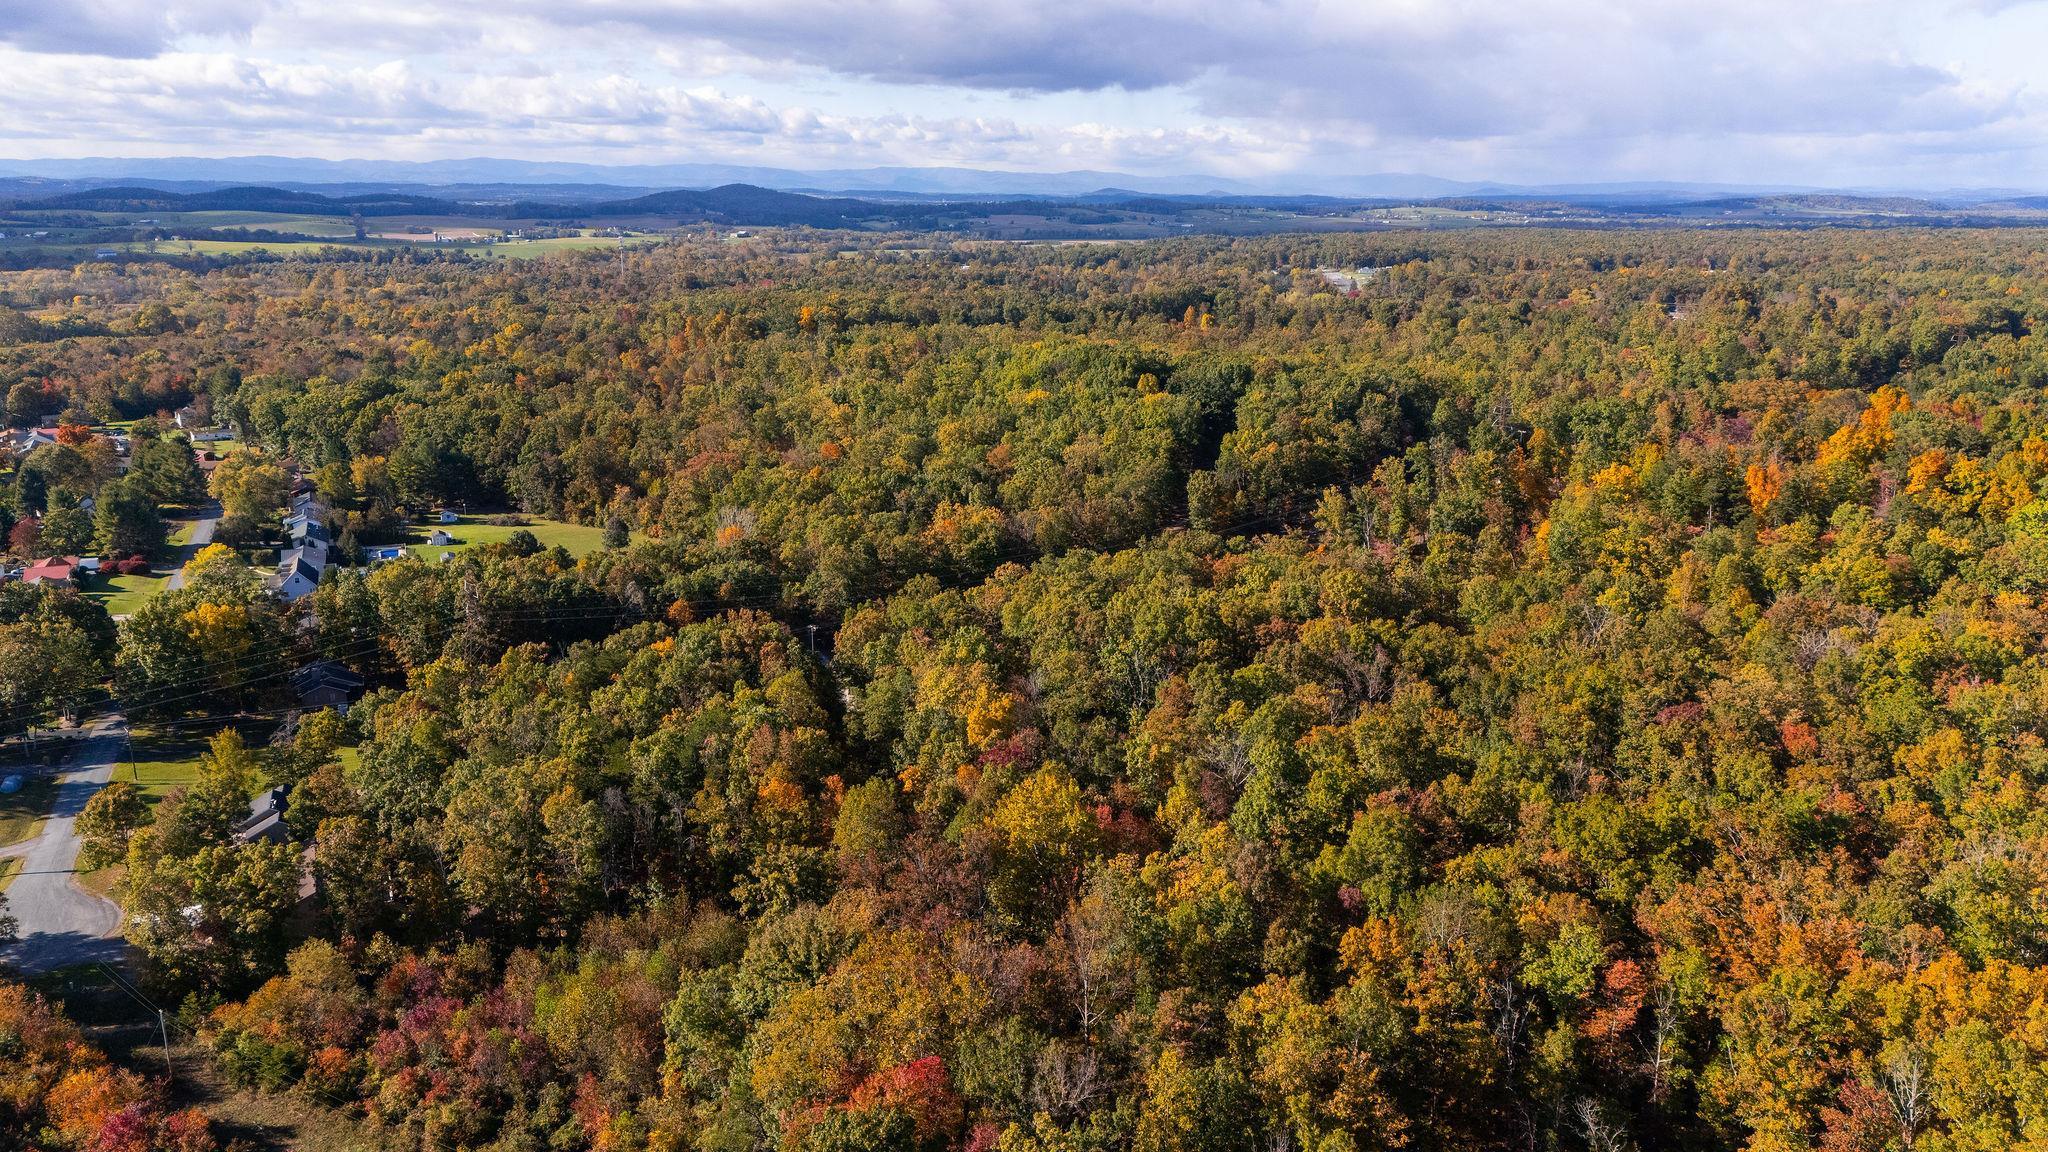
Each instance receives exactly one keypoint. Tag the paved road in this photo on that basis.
(202, 535)
(59, 922)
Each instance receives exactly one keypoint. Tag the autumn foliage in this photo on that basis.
(1578, 691)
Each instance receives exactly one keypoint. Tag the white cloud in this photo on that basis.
(1822, 90)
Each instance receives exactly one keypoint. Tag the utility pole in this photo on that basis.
(163, 1028)
(814, 638)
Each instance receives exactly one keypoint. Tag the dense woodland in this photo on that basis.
(1580, 691)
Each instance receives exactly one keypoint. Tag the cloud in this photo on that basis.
(399, 109)
(120, 28)
(1425, 69)
(1518, 89)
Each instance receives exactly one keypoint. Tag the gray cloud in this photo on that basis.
(131, 29)
(1452, 69)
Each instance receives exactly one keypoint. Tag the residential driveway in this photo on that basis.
(60, 923)
(202, 535)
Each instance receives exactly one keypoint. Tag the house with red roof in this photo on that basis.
(58, 570)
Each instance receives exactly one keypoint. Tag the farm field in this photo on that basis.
(324, 234)
(528, 249)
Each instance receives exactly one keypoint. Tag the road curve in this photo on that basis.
(59, 923)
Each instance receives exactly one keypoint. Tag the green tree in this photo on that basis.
(166, 468)
(48, 665)
(106, 822)
(125, 521)
(251, 489)
(1044, 837)
(67, 531)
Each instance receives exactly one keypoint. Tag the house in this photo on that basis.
(306, 528)
(440, 538)
(61, 571)
(105, 254)
(211, 435)
(325, 684)
(266, 818)
(311, 552)
(448, 516)
(27, 440)
(447, 556)
(187, 418)
(296, 576)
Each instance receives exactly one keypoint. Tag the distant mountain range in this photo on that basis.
(501, 180)
(737, 204)
(1109, 213)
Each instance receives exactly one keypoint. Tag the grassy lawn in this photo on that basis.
(120, 595)
(474, 532)
(162, 760)
(21, 812)
(103, 882)
(161, 763)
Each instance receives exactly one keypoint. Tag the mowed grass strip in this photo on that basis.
(475, 532)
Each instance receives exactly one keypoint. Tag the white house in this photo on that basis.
(448, 516)
(440, 538)
(296, 578)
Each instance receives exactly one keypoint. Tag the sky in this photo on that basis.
(1930, 94)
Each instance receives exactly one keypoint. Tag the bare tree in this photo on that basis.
(1601, 1134)
(1904, 1080)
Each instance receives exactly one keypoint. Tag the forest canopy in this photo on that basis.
(1568, 691)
